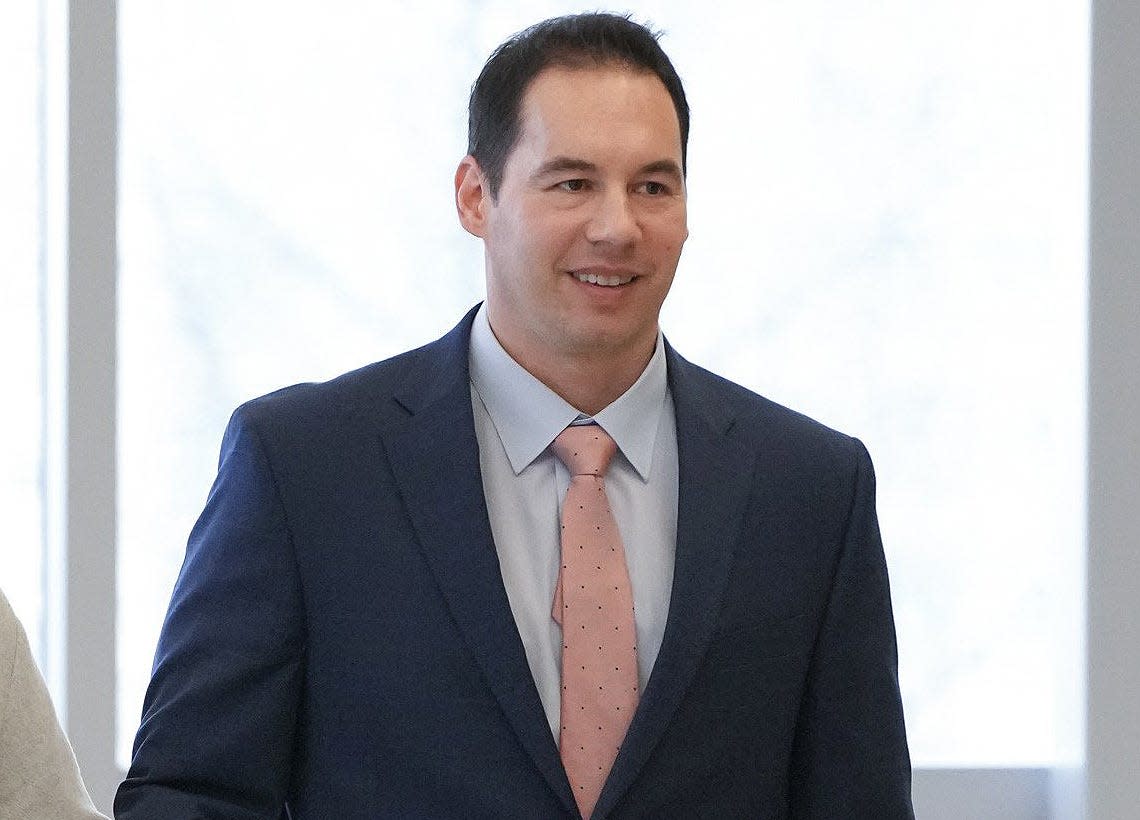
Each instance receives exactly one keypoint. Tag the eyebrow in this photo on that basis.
(559, 165)
(663, 166)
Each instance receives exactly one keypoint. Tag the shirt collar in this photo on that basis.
(527, 414)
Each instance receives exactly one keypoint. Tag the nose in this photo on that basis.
(613, 220)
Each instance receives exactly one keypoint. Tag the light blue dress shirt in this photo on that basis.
(516, 419)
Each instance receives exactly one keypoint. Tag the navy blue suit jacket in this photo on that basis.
(340, 643)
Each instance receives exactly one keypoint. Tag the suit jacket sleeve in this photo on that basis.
(220, 713)
(850, 756)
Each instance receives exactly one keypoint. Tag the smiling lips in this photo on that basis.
(603, 280)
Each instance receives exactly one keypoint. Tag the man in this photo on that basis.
(419, 591)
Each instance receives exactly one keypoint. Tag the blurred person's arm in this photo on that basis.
(39, 778)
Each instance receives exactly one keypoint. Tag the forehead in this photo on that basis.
(601, 110)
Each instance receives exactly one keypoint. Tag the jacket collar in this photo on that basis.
(435, 459)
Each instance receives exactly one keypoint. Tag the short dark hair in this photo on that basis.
(573, 41)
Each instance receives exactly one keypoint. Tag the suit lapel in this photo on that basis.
(715, 479)
(435, 459)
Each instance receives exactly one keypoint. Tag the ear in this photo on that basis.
(472, 199)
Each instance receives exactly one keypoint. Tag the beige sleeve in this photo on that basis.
(39, 778)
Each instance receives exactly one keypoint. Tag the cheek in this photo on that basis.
(670, 231)
(672, 242)
(539, 234)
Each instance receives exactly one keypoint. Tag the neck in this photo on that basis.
(588, 382)
(590, 386)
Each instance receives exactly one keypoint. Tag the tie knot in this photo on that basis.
(585, 449)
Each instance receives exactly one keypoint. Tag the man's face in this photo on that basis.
(583, 242)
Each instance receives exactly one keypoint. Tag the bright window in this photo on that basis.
(21, 318)
(887, 207)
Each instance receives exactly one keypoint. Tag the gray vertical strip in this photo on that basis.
(90, 460)
(981, 794)
(1113, 762)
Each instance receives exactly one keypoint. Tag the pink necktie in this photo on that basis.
(593, 603)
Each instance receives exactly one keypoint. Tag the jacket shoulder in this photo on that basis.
(757, 422)
(369, 396)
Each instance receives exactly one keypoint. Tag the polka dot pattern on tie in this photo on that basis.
(593, 602)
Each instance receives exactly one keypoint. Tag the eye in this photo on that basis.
(655, 188)
(572, 185)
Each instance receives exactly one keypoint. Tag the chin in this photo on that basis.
(608, 341)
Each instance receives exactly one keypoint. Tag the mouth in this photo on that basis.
(603, 280)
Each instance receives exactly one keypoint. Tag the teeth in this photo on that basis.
(606, 281)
